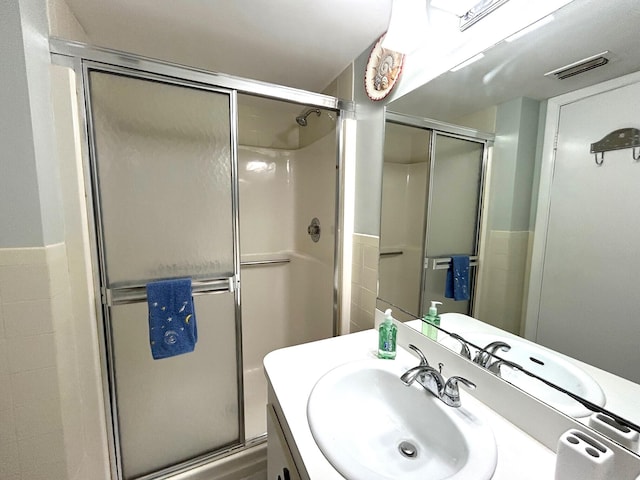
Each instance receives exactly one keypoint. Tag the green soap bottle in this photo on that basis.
(387, 337)
(431, 319)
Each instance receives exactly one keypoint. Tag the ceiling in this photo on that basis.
(511, 70)
(298, 43)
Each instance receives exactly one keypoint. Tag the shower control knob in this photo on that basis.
(314, 229)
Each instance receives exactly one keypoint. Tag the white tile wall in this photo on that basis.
(31, 427)
(41, 403)
(501, 288)
(364, 281)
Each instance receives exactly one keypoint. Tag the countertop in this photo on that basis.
(292, 373)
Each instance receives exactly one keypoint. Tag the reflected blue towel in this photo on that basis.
(457, 283)
(172, 319)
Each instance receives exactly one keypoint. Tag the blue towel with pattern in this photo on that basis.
(457, 282)
(172, 319)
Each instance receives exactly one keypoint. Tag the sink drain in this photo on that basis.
(408, 449)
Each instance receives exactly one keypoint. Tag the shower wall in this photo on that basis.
(404, 189)
(282, 188)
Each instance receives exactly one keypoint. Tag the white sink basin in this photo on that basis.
(546, 364)
(361, 413)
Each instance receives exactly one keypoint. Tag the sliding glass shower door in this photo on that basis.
(165, 198)
(453, 215)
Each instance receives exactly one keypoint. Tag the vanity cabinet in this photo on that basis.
(280, 464)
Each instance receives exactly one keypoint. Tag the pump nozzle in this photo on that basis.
(433, 310)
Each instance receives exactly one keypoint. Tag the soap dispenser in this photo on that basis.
(387, 337)
(431, 319)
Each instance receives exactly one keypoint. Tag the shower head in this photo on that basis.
(302, 119)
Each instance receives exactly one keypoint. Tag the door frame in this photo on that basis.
(551, 127)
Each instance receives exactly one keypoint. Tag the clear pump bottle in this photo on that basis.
(431, 319)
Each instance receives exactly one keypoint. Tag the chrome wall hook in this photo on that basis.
(618, 140)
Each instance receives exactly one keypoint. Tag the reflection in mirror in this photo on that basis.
(429, 178)
(568, 385)
(585, 233)
(404, 191)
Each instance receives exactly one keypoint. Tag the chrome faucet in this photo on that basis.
(423, 359)
(464, 351)
(433, 381)
(483, 357)
(496, 370)
(451, 394)
(427, 376)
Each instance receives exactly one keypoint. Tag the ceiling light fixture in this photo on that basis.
(466, 63)
(534, 26)
(407, 26)
(480, 10)
(457, 7)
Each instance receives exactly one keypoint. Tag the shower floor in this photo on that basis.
(255, 402)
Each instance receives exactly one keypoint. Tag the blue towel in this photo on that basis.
(457, 283)
(172, 319)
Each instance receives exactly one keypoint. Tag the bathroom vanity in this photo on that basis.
(526, 431)
(293, 373)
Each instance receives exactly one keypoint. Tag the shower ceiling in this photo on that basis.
(296, 43)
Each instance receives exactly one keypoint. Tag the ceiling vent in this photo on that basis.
(581, 66)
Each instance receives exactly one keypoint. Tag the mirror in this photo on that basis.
(505, 92)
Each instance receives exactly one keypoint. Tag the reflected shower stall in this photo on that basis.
(432, 187)
(199, 181)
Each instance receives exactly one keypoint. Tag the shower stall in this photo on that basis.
(287, 177)
(190, 174)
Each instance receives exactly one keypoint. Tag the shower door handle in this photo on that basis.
(138, 293)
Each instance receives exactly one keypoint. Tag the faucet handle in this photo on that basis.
(423, 359)
(451, 392)
(483, 356)
(495, 366)
(452, 383)
(464, 351)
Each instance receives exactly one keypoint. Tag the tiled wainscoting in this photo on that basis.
(364, 281)
(31, 430)
(42, 435)
(502, 286)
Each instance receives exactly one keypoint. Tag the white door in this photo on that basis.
(589, 302)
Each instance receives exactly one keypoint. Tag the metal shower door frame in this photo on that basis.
(479, 213)
(128, 294)
(80, 57)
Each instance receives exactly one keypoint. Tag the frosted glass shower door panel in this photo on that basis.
(181, 407)
(453, 212)
(163, 163)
